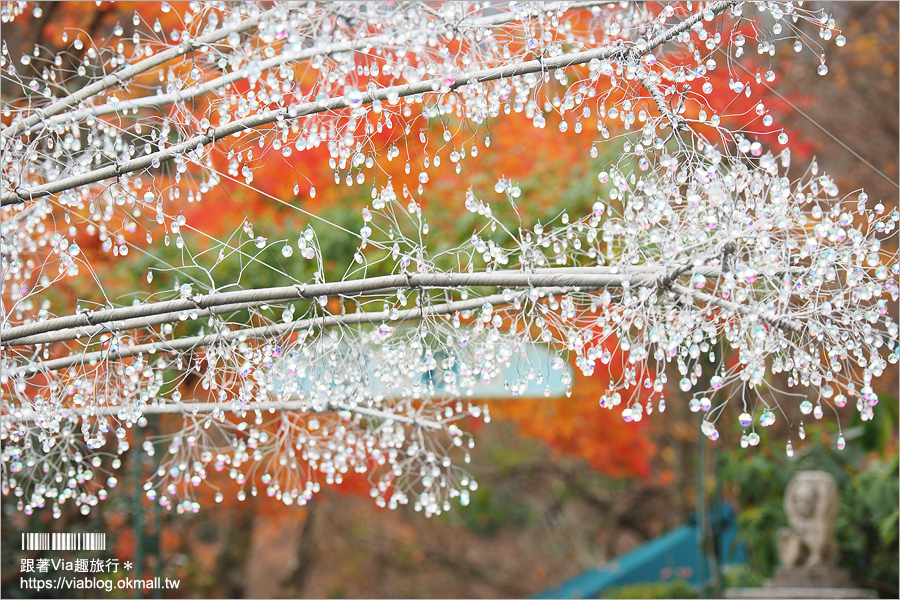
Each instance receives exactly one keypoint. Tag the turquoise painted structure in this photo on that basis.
(362, 372)
(674, 555)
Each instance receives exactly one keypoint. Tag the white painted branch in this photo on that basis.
(659, 99)
(127, 73)
(201, 89)
(412, 314)
(782, 322)
(268, 331)
(169, 311)
(20, 195)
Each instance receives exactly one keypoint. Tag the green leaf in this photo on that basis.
(888, 526)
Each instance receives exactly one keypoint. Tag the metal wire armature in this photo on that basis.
(700, 261)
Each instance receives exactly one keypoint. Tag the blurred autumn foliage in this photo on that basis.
(593, 486)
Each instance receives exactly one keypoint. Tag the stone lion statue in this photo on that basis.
(811, 502)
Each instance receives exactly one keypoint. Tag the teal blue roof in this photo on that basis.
(674, 555)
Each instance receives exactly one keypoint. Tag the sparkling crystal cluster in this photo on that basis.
(702, 271)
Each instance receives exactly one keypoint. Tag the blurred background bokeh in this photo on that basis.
(565, 487)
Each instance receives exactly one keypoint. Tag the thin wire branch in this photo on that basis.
(188, 407)
(816, 124)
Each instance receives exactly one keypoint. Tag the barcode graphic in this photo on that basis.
(63, 541)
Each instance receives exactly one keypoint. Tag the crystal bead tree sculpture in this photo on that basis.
(701, 267)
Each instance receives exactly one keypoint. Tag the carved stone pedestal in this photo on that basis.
(800, 592)
(812, 576)
(805, 582)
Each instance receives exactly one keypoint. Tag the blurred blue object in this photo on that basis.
(534, 371)
(674, 555)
